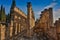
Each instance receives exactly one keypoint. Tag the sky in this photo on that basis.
(37, 5)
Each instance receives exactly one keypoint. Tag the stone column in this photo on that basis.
(2, 32)
(19, 28)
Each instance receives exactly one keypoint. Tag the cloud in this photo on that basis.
(56, 14)
(39, 12)
(51, 5)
